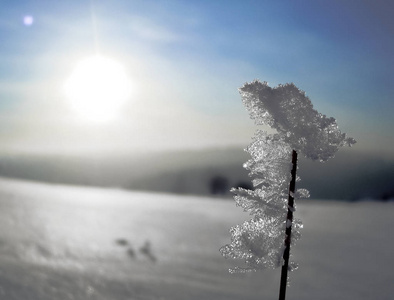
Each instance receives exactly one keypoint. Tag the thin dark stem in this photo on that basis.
(289, 221)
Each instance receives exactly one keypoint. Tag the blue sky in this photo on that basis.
(185, 61)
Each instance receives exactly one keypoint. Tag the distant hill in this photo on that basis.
(350, 175)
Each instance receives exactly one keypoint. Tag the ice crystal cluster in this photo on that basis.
(260, 241)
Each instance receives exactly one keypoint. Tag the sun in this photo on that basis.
(97, 88)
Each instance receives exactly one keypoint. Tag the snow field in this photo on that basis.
(65, 242)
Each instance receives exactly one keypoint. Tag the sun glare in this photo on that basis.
(97, 88)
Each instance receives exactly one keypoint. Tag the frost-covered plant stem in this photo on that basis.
(287, 110)
(289, 221)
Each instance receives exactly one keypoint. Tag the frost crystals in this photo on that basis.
(288, 110)
(260, 241)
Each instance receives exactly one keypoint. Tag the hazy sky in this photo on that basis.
(185, 61)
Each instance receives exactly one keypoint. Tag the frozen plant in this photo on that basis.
(290, 112)
(263, 241)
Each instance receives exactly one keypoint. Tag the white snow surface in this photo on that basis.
(66, 242)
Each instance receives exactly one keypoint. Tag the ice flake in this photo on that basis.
(288, 223)
(292, 266)
(301, 194)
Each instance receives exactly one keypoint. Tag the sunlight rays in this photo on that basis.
(97, 88)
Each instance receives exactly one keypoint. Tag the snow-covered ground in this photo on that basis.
(64, 242)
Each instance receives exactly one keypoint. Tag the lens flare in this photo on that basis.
(28, 20)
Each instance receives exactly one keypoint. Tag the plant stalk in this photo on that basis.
(289, 221)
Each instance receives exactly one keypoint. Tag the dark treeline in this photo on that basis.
(349, 176)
